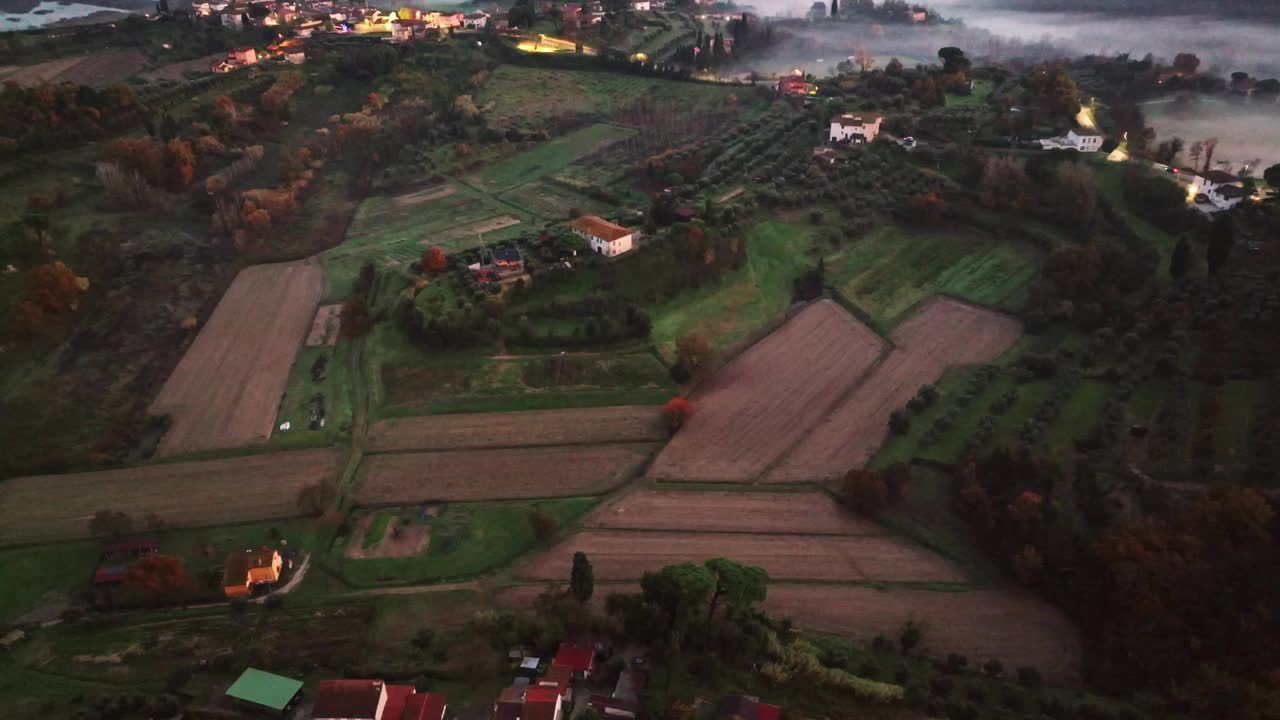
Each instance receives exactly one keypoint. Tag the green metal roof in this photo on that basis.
(263, 688)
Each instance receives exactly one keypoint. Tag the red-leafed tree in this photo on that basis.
(928, 207)
(676, 412)
(433, 260)
(160, 577)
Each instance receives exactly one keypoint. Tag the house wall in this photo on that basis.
(865, 132)
(609, 248)
(1085, 143)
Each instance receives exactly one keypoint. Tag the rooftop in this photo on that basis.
(424, 706)
(601, 228)
(575, 657)
(1218, 177)
(265, 689)
(348, 699)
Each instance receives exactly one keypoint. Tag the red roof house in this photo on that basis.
(397, 697)
(575, 657)
(350, 700)
(541, 704)
(424, 706)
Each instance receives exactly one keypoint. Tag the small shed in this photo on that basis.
(265, 692)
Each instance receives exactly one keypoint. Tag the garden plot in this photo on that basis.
(943, 333)
(448, 216)
(325, 326)
(626, 555)
(1014, 627)
(487, 225)
(548, 158)
(403, 478)
(814, 513)
(97, 70)
(516, 429)
(225, 390)
(763, 403)
(207, 492)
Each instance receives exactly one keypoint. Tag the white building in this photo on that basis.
(855, 128)
(1226, 197)
(604, 237)
(232, 20)
(1073, 141)
(641, 6)
(477, 20)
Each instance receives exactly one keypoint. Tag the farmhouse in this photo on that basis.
(375, 700)
(1073, 141)
(1226, 196)
(856, 129)
(604, 237)
(744, 707)
(640, 5)
(578, 659)
(1215, 179)
(265, 693)
(792, 85)
(243, 56)
(477, 20)
(535, 703)
(247, 571)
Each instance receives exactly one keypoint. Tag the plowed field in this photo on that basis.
(625, 555)
(757, 512)
(207, 492)
(225, 391)
(627, 423)
(1014, 627)
(943, 333)
(763, 402)
(402, 478)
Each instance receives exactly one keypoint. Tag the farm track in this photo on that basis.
(225, 391)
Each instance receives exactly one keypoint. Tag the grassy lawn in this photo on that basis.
(981, 89)
(450, 215)
(927, 518)
(548, 157)
(418, 381)
(777, 252)
(45, 574)
(466, 539)
(552, 201)
(893, 268)
(1147, 401)
(377, 529)
(1110, 186)
(332, 364)
(1240, 400)
(515, 96)
(1079, 416)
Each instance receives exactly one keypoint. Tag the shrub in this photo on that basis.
(956, 662)
(941, 685)
(910, 635)
(239, 605)
(993, 668)
(274, 601)
(1029, 677)
(544, 524)
(899, 422)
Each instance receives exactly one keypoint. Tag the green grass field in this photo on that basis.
(777, 252)
(45, 574)
(1079, 416)
(1110, 187)
(892, 269)
(1240, 400)
(335, 388)
(417, 381)
(466, 539)
(547, 158)
(981, 89)
(553, 201)
(529, 97)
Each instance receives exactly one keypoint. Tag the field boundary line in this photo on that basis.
(883, 532)
(519, 446)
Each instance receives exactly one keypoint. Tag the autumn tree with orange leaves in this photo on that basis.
(162, 578)
(52, 290)
(433, 260)
(676, 412)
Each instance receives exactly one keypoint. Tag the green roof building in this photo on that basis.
(264, 691)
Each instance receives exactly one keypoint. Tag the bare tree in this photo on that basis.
(864, 59)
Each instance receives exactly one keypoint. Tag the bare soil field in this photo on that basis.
(1010, 625)
(178, 71)
(404, 478)
(766, 399)
(99, 69)
(324, 328)
(207, 492)
(484, 226)
(227, 387)
(426, 195)
(625, 423)
(943, 333)
(755, 512)
(626, 555)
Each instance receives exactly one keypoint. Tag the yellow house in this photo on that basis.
(246, 570)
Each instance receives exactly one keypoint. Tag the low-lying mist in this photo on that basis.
(1245, 131)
